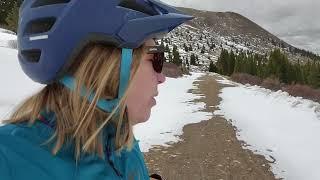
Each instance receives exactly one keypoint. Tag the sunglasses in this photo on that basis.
(158, 57)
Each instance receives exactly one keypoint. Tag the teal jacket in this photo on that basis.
(23, 157)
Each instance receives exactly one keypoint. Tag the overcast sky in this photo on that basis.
(295, 21)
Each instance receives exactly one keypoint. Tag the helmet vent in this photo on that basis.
(32, 55)
(40, 25)
(39, 3)
(138, 5)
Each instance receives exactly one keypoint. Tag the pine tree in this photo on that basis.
(291, 74)
(213, 67)
(162, 43)
(6, 7)
(186, 48)
(274, 63)
(167, 49)
(305, 69)
(252, 65)
(317, 83)
(197, 60)
(176, 56)
(258, 60)
(170, 57)
(284, 69)
(13, 18)
(237, 64)
(298, 73)
(231, 63)
(212, 46)
(175, 48)
(241, 61)
(313, 75)
(193, 59)
(203, 49)
(246, 64)
(222, 63)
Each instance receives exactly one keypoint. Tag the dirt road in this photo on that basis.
(210, 149)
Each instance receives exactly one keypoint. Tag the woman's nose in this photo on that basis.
(161, 78)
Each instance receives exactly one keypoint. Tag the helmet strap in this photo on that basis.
(106, 105)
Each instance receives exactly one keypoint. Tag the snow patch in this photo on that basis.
(280, 127)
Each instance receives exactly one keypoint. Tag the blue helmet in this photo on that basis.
(51, 33)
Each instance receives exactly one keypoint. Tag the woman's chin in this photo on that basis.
(142, 119)
(145, 119)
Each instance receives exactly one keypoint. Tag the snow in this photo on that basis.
(5, 37)
(277, 126)
(230, 44)
(241, 47)
(6, 31)
(15, 84)
(174, 110)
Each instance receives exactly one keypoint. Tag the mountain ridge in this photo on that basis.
(238, 29)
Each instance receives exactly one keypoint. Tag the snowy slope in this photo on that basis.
(280, 127)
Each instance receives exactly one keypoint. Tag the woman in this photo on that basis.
(101, 68)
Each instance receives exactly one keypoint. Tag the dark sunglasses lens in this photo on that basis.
(158, 60)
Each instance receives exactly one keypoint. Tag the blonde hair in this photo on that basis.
(96, 68)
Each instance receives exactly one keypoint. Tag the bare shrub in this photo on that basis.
(244, 78)
(303, 91)
(271, 83)
(171, 70)
(274, 84)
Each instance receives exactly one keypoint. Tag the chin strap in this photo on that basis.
(106, 105)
